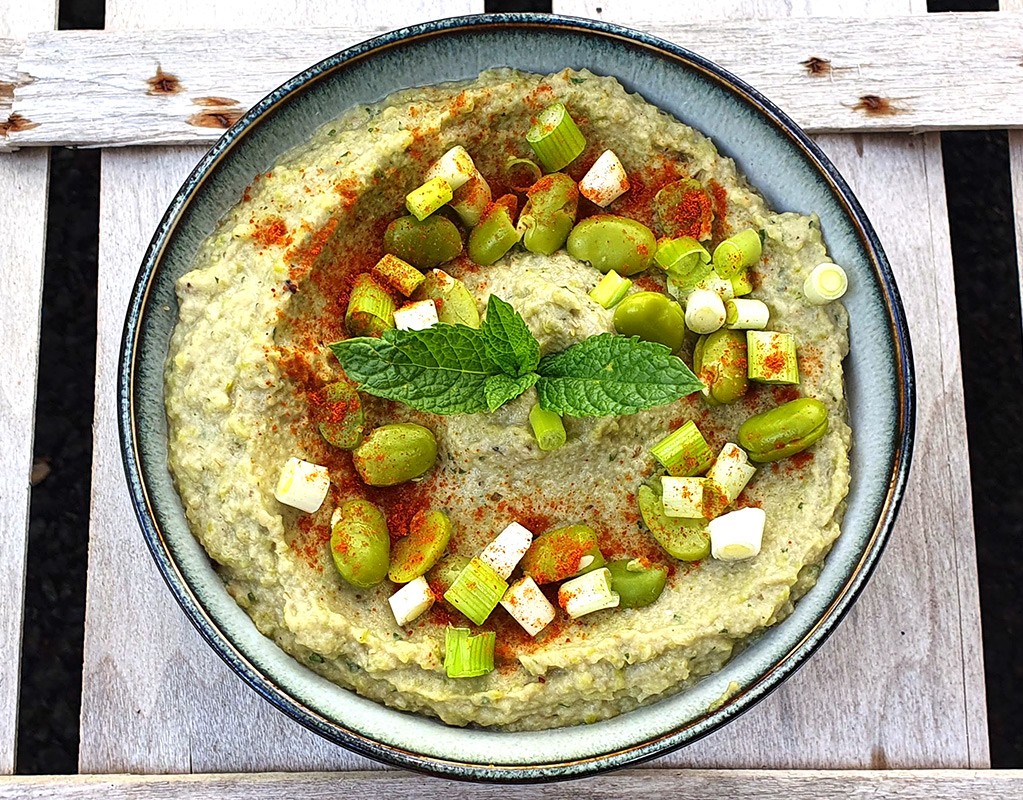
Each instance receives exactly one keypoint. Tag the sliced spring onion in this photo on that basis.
(742, 283)
(611, 290)
(416, 316)
(472, 199)
(772, 357)
(547, 427)
(684, 452)
(423, 201)
(555, 138)
(476, 591)
(746, 315)
(400, 275)
(825, 283)
(685, 260)
(507, 549)
(726, 479)
(521, 173)
(302, 485)
(370, 308)
(588, 593)
(528, 606)
(411, 601)
(605, 181)
(737, 534)
(455, 167)
(737, 252)
(468, 656)
(705, 311)
(682, 497)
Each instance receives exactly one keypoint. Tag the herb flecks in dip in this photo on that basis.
(249, 363)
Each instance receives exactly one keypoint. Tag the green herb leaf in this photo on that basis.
(499, 389)
(442, 369)
(612, 375)
(507, 340)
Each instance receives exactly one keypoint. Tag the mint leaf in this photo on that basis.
(499, 389)
(609, 375)
(507, 339)
(442, 369)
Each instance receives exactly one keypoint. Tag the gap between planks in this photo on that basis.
(117, 88)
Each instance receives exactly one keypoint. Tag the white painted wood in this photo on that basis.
(1016, 167)
(23, 189)
(93, 88)
(676, 784)
(155, 698)
(900, 684)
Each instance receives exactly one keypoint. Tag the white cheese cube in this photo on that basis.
(682, 497)
(528, 606)
(455, 166)
(302, 485)
(605, 181)
(416, 316)
(588, 593)
(411, 600)
(737, 534)
(705, 311)
(505, 552)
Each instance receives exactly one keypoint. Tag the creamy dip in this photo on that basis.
(268, 293)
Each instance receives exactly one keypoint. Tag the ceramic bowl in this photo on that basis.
(777, 157)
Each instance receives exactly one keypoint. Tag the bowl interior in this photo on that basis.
(776, 161)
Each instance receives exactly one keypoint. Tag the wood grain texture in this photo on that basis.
(23, 190)
(155, 698)
(96, 88)
(676, 784)
(900, 683)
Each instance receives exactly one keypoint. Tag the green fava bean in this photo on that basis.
(653, 317)
(445, 571)
(424, 244)
(341, 416)
(455, 303)
(637, 585)
(785, 430)
(719, 360)
(495, 233)
(684, 208)
(396, 453)
(413, 555)
(549, 213)
(614, 243)
(684, 539)
(561, 553)
(360, 544)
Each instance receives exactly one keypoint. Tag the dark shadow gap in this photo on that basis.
(499, 6)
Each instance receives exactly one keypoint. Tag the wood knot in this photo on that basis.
(223, 118)
(6, 92)
(875, 106)
(163, 83)
(16, 123)
(816, 67)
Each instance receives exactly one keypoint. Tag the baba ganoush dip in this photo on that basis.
(630, 604)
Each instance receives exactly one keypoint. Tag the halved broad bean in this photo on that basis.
(444, 572)
(562, 553)
(609, 242)
(684, 208)
(424, 244)
(495, 234)
(785, 430)
(455, 303)
(340, 415)
(637, 584)
(360, 544)
(681, 538)
(549, 213)
(395, 453)
(415, 553)
(719, 360)
(653, 317)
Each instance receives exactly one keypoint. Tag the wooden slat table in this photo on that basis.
(899, 686)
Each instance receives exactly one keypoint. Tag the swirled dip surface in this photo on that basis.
(268, 292)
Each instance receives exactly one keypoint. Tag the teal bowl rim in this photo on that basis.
(656, 746)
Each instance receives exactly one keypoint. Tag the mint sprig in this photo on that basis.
(454, 369)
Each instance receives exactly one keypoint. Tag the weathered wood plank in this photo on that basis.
(676, 784)
(900, 684)
(155, 698)
(24, 181)
(1016, 167)
(104, 88)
